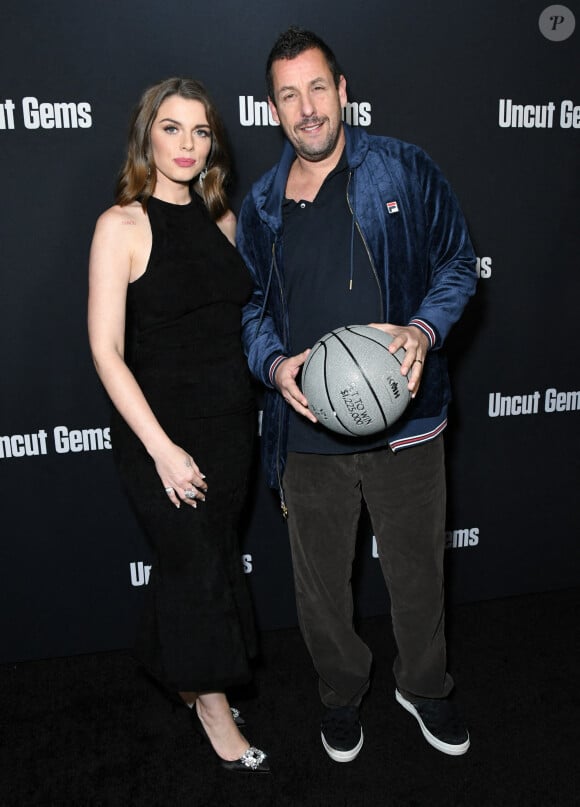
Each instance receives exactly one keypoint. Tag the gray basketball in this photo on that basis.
(352, 383)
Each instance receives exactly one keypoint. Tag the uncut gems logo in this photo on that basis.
(140, 573)
(557, 23)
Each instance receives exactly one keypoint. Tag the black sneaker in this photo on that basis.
(440, 724)
(341, 733)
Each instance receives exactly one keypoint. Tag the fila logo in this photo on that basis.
(392, 207)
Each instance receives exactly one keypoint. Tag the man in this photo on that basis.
(347, 229)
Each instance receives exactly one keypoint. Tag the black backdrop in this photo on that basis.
(489, 91)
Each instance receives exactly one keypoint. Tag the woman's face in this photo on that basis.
(180, 141)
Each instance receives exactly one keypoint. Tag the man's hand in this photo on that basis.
(285, 380)
(416, 346)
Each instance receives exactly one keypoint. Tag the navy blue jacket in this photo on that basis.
(419, 247)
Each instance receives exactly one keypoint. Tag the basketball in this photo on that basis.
(353, 384)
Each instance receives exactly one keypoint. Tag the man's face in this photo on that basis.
(308, 105)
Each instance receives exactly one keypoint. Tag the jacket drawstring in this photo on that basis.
(352, 233)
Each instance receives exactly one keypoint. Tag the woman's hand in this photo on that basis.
(180, 476)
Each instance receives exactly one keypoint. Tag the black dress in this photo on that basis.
(183, 345)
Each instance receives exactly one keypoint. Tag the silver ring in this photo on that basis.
(168, 490)
(418, 361)
(190, 494)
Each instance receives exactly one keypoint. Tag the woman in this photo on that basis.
(166, 287)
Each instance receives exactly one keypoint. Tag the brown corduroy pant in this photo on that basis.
(405, 497)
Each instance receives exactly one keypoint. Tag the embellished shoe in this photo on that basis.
(253, 759)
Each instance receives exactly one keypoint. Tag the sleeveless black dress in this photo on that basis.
(183, 346)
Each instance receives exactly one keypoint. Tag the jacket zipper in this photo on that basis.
(367, 250)
(281, 415)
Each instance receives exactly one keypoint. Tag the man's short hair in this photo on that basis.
(291, 44)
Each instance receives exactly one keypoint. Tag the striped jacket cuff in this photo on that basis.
(273, 367)
(426, 328)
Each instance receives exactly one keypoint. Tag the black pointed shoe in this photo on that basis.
(251, 760)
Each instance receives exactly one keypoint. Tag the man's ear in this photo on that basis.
(273, 110)
(342, 91)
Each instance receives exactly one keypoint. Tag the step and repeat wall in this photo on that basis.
(491, 91)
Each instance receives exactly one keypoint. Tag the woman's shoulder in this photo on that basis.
(227, 224)
(125, 223)
(127, 215)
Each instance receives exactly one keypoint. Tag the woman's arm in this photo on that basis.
(116, 251)
(227, 225)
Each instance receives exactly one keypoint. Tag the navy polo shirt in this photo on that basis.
(326, 288)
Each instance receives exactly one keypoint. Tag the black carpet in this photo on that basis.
(92, 730)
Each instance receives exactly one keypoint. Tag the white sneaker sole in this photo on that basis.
(343, 756)
(445, 748)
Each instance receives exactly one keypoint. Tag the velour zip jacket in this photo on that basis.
(419, 249)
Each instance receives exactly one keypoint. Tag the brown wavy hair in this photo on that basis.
(137, 178)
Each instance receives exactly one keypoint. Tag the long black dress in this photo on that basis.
(183, 345)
